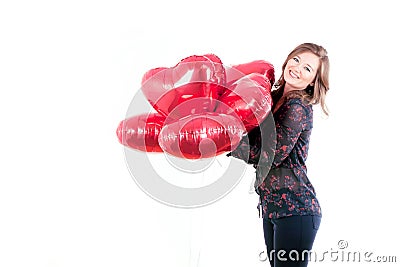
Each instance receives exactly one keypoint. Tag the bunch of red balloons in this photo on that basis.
(202, 108)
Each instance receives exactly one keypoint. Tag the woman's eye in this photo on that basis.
(307, 69)
(296, 59)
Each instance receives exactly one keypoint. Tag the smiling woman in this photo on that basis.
(291, 211)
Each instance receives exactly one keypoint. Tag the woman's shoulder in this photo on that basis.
(298, 103)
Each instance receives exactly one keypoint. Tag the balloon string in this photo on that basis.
(196, 234)
(219, 163)
(252, 184)
(196, 229)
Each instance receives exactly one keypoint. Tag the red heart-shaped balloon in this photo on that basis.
(249, 97)
(141, 132)
(236, 72)
(201, 136)
(193, 77)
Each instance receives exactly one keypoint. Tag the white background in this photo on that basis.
(68, 71)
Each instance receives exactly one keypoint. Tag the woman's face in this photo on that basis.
(300, 71)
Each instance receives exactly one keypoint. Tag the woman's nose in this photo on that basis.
(296, 69)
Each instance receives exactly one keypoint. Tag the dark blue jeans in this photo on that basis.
(289, 239)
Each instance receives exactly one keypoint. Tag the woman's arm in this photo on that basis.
(248, 150)
(291, 123)
(278, 144)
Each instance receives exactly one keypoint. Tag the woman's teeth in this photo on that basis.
(293, 75)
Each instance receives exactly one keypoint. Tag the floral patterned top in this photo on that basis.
(279, 158)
